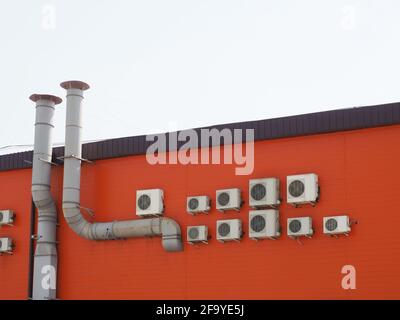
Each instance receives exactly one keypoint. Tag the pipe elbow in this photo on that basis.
(76, 221)
(41, 196)
(171, 235)
(86, 229)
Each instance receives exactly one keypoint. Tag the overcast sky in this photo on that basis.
(159, 65)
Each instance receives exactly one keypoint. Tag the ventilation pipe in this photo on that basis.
(45, 260)
(168, 229)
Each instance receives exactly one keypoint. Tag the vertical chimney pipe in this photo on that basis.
(45, 259)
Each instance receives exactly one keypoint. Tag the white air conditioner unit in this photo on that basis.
(6, 217)
(264, 193)
(199, 204)
(264, 224)
(149, 202)
(337, 225)
(228, 199)
(6, 245)
(299, 227)
(228, 230)
(302, 189)
(197, 234)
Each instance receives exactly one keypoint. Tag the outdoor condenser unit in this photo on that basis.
(264, 224)
(6, 217)
(228, 199)
(149, 202)
(336, 225)
(299, 227)
(228, 230)
(264, 193)
(6, 245)
(302, 189)
(197, 234)
(198, 204)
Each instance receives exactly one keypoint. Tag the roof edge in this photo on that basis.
(275, 128)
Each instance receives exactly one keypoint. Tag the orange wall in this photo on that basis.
(15, 194)
(359, 176)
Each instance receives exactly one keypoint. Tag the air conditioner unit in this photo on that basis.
(197, 234)
(302, 189)
(149, 202)
(299, 227)
(6, 245)
(336, 225)
(199, 204)
(228, 199)
(6, 217)
(264, 224)
(264, 193)
(228, 230)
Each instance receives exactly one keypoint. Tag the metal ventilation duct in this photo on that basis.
(168, 229)
(45, 260)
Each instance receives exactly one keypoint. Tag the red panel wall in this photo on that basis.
(359, 176)
(15, 194)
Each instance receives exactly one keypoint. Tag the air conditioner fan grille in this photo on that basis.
(223, 198)
(224, 229)
(258, 192)
(194, 233)
(295, 226)
(193, 204)
(331, 224)
(144, 202)
(258, 223)
(296, 188)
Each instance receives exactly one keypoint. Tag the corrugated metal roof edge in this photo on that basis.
(291, 126)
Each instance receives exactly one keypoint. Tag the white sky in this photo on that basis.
(160, 65)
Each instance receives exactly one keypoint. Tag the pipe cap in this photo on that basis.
(37, 97)
(74, 84)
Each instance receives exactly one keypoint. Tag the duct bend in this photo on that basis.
(167, 228)
(45, 260)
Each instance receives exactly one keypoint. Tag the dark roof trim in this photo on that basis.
(299, 125)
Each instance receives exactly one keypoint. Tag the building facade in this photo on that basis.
(355, 154)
